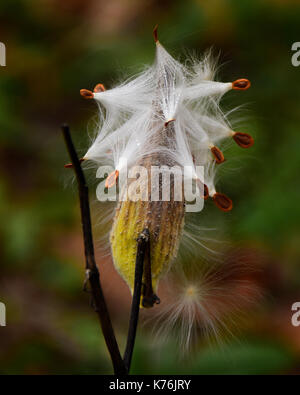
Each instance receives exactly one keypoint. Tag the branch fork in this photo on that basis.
(121, 365)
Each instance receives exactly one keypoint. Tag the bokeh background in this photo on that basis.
(54, 49)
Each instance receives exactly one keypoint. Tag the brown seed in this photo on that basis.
(241, 84)
(205, 189)
(218, 154)
(70, 165)
(244, 140)
(222, 201)
(155, 33)
(111, 179)
(99, 88)
(86, 94)
(206, 193)
(170, 120)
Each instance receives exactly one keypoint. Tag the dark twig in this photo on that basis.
(142, 245)
(92, 273)
(149, 298)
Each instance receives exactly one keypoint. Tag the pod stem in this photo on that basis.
(142, 246)
(92, 273)
(149, 298)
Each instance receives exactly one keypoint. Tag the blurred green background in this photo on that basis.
(56, 48)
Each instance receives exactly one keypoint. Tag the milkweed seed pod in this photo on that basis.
(168, 117)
